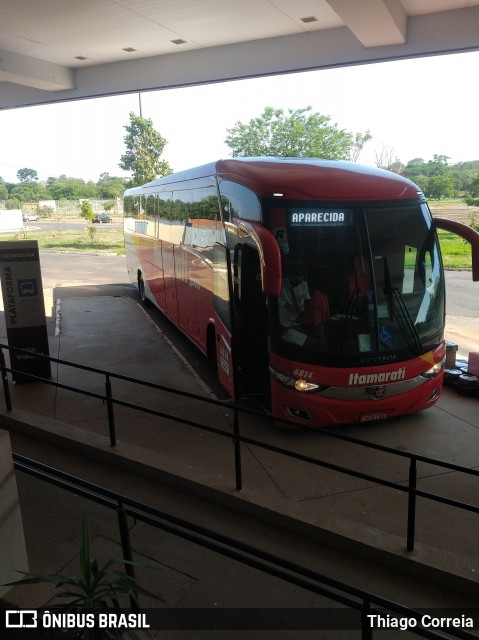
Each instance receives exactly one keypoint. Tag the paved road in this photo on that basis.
(64, 225)
(69, 270)
(462, 311)
(83, 274)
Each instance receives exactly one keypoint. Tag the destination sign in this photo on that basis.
(314, 217)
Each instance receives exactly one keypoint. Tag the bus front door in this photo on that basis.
(222, 289)
(252, 323)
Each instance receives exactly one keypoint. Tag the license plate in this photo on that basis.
(372, 416)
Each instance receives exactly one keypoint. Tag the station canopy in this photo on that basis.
(63, 50)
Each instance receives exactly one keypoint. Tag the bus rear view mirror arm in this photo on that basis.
(467, 233)
(269, 255)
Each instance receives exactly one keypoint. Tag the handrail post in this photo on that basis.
(366, 628)
(237, 445)
(411, 507)
(6, 388)
(111, 415)
(126, 548)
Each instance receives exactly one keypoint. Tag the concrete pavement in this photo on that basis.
(360, 523)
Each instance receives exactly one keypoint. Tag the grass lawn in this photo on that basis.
(99, 239)
(456, 252)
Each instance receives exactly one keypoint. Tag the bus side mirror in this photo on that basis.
(467, 233)
(269, 256)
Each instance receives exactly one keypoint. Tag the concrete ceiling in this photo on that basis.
(55, 50)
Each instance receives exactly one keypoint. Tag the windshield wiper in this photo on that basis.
(393, 293)
(350, 310)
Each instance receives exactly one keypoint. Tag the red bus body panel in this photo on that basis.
(312, 179)
(323, 411)
(182, 289)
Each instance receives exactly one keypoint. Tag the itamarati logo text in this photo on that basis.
(356, 378)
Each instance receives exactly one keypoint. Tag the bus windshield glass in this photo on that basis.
(360, 284)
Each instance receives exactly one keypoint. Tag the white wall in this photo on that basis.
(11, 220)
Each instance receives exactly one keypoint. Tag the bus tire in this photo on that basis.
(142, 289)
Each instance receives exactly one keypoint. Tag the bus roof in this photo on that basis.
(300, 178)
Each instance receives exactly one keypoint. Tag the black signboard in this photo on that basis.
(24, 306)
(317, 217)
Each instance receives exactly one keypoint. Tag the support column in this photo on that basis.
(13, 554)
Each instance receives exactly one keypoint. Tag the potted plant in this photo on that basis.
(96, 590)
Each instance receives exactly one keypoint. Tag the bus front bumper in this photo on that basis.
(339, 405)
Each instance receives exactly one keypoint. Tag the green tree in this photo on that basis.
(29, 192)
(13, 203)
(45, 211)
(462, 178)
(110, 186)
(415, 168)
(27, 175)
(3, 190)
(474, 185)
(71, 188)
(437, 166)
(108, 206)
(300, 133)
(144, 146)
(422, 182)
(439, 187)
(86, 210)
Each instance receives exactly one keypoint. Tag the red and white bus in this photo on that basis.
(215, 248)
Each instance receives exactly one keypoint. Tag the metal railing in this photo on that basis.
(237, 438)
(359, 600)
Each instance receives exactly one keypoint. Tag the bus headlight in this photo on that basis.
(303, 385)
(299, 384)
(435, 370)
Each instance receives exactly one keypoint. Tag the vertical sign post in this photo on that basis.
(22, 290)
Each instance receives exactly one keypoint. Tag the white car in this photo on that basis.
(30, 217)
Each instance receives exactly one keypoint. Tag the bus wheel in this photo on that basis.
(141, 289)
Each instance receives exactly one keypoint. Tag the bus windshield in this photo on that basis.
(360, 284)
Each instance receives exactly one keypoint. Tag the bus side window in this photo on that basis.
(150, 203)
(226, 213)
(129, 206)
(162, 226)
(410, 259)
(205, 203)
(165, 204)
(204, 216)
(181, 205)
(240, 202)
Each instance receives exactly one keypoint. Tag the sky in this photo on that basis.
(414, 108)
